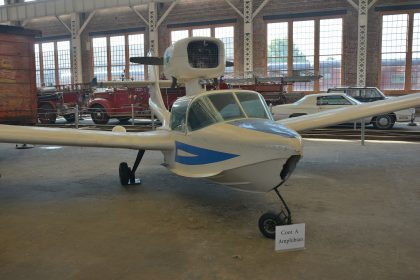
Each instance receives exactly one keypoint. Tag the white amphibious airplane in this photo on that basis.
(227, 136)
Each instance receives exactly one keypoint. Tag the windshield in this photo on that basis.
(252, 104)
(220, 107)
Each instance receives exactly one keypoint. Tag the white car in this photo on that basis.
(314, 103)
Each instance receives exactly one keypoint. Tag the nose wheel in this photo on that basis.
(269, 220)
(127, 175)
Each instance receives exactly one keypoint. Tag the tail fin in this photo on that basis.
(156, 103)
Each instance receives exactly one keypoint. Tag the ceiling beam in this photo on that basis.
(45, 8)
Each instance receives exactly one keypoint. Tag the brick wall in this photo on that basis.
(205, 10)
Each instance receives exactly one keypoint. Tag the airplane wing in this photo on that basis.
(351, 113)
(153, 140)
(128, 83)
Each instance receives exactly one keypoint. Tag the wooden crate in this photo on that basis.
(18, 99)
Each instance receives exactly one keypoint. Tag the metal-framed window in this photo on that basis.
(52, 63)
(63, 62)
(330, 52)
(394, 51)
(225, 33)
(400, 52)
(111, 57)
(306, 47)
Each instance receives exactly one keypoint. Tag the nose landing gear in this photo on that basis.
(269, 220)
(127, 175)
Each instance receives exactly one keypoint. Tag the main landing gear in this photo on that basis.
(269, 220)
(127, 175)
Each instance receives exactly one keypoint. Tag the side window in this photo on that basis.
(372, 93)
(178, 115)
(332, 100)
(354, 92)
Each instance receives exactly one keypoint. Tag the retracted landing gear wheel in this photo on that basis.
(125, 173)
(268, 222)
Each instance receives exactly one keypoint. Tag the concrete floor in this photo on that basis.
(63, 215)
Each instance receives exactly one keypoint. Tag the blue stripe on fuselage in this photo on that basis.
(199, 155)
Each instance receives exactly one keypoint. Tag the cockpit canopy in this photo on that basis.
(194, 113)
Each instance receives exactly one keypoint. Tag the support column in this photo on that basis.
(248, 39)
(153, 32)
(76, 49)
(362, 43)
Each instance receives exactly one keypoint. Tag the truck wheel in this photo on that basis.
(123, 120)
(47, 114)
(383, 122)
(70, 118)
(99, 115)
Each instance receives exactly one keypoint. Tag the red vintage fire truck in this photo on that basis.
(61, 101)
(124, 103)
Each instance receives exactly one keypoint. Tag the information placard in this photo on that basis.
(290, 237)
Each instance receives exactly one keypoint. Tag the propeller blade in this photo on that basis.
(147, 60)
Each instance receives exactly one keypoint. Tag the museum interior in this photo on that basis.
(209, 139)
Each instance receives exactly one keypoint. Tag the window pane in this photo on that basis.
(303, 52)
(277, 49)
(393, 53)
(100, 59)
(117, 46)
(136, 48)
(330, 52)
(202, 114)
(203, 32)
(64, 64)
(177, 35)
(226, 35)
(415, 64)
(48, 63)
(226, 105)
(252, 104)
(37, 65)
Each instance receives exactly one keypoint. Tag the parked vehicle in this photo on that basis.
(315, 103)
(60, 101)
(363, 94)
(120, 102)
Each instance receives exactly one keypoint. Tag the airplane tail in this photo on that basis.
(156, 103)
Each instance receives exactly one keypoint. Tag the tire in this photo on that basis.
(70, 118)
(124, 173)
(99, 115)
(123, 120)
(383, 122)
(267, 224)
(47, 114)
(296, 115)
